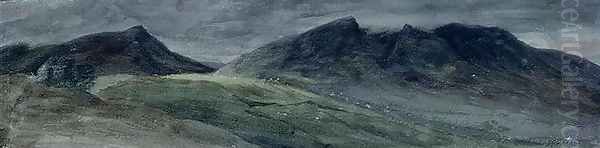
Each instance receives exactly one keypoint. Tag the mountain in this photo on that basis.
(78, 62)
(451, 56)
(454, 73)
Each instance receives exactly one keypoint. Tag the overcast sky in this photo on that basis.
(220, 30)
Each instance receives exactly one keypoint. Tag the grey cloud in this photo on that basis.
(220, 30)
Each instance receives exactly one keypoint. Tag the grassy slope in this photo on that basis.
(201, 111)
(272, 114)
(36, 116)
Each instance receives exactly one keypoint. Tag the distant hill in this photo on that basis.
(76, 63)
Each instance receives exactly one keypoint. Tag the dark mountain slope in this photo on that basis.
(78, 62)
(488, 61)
(20, 58)
(311, 54)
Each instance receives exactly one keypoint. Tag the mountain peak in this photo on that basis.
(138, 32)
(342, 25)
(137, 28)
(346, 20)
(407, 27)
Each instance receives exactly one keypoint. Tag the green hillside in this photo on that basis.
(272, 114)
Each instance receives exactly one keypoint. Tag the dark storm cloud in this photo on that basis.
(222, 29)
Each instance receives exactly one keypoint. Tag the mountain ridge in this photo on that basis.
(453, 56)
